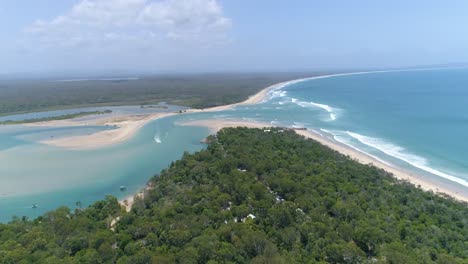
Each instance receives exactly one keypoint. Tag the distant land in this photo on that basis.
(60, 117)
(192, 90)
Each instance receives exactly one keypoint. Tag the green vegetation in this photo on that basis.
(196, 91)
(154, 106)
(61, 117)
(311, 205)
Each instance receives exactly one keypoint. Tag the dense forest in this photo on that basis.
(194, 90)
(253, 197)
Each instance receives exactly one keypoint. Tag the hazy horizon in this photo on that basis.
(120, 37)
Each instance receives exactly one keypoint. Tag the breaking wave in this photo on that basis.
(298, 125)
(401, 154)
(345, 141)
(331, 111)
(277, 93)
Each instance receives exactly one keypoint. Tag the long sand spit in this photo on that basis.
(125, 126)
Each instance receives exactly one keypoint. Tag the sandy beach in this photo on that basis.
(129, 125)
(254, 99)
(418, 180)
(214, 126)
(126, 127)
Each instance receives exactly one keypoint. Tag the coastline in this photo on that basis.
(215, 125)
(131, 124)
(127, 126)
(128, 201)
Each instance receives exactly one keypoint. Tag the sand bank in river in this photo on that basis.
(126, 127)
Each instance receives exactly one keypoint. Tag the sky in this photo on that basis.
(170, 36)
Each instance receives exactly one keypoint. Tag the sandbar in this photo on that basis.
(126, 127)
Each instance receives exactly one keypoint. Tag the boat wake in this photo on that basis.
(157, 139)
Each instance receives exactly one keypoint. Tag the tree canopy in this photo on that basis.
(254, 197)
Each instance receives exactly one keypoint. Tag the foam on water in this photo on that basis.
(331, 111)
(378, 144)
(401, 154)
(274, 123)
(316, 132)
(120, 163)
(275, 90)
(298, 125)
(277, 93)
(157, 139)
(338, 136)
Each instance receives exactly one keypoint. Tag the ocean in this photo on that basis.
(416, 120)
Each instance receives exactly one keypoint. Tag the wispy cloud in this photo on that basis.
(140, 24)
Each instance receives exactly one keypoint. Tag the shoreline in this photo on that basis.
(126, 127)
(401, 174)
(214, 125)
(132, 124)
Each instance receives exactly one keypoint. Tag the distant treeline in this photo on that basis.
(50, 118)
(254, 197)
(196, 91)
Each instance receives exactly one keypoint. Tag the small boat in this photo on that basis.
(34, 206)
(123, 188)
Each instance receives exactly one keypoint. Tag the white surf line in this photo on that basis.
(275, 91)
(325, 107)
(281, 85)
(344, 142)
(426, 168)
(422, 166)
(412, 159)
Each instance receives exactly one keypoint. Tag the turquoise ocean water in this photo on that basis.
(417, 120)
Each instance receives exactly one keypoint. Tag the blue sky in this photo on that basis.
(47, 36)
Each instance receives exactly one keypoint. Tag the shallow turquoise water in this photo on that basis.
(116, 111)
(414, 119)
(50, 177)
